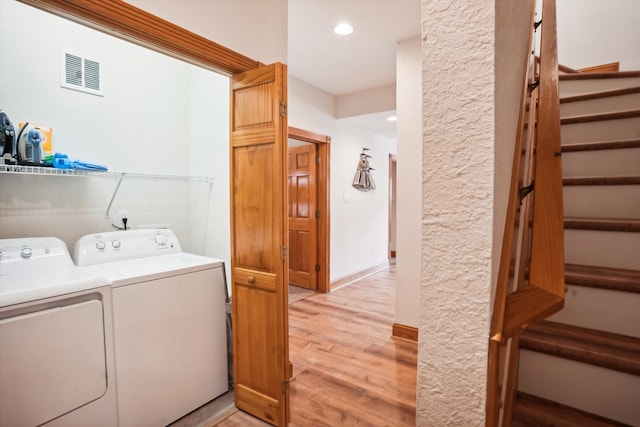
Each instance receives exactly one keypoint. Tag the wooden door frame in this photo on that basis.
(393, 169)
(125, 21)
(323, 150)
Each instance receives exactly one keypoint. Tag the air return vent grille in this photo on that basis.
(81, 73)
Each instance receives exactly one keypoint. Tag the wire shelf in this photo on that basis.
(39, 170)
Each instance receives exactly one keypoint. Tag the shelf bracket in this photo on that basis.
(115, 192)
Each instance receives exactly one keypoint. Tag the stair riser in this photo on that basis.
(600, 105)
(618, 162)
(602, 201)
(601, 391)
(579, 87)
(602, 248)
(601, 309)
(604, 130)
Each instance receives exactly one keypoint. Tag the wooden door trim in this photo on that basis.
(393, 168)
(323, 148)
(128, 22)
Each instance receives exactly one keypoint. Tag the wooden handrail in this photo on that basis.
(530, 284)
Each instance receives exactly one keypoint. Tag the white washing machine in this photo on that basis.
(169, 316)
(56, 339)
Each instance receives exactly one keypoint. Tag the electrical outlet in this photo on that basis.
(123, 213)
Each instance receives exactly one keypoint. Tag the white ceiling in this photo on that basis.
(364, 60)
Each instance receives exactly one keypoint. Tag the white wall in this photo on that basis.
(366, 102)
(142, 124)
(127, 129)
(209, 136)
(592, 32)
(457, 221)
(359, 226)
(409, 181)
(254, 28)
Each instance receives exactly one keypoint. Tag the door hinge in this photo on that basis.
(283, 253)
(317, 214)
(283, 108)
(317, 267)
(318, 160)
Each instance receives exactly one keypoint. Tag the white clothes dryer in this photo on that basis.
(56, 339)
(169, 314)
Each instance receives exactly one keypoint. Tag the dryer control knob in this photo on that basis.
(100, 245)
(116, 243)
(160, 239)
(26, 252)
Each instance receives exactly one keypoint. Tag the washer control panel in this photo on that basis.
(113, 246)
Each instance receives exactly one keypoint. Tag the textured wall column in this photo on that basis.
(458, 200)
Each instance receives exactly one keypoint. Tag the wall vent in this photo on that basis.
(81, 73)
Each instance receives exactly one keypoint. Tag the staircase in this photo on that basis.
(581, 366)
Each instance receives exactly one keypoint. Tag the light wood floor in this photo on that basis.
(348, 370)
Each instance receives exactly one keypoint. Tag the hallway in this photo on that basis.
(347, 369)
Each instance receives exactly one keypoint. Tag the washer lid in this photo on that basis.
(152, 268)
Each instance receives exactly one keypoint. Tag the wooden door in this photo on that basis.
(259, 271)
(303, 234)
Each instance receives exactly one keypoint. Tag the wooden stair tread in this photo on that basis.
(601, 145)
(597, 76)
(534, 411)
(604, 349)
(585, 118)
(602, 180)
(600, 94)
(602, 277)
(602, 224)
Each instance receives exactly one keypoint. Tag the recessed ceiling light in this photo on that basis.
(343, 29)
(392, 119)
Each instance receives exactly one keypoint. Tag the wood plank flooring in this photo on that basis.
(347, 368)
